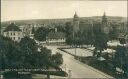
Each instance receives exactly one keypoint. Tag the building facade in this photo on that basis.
(55, 38)
(13, 32)
(104, 24)
(76, 23)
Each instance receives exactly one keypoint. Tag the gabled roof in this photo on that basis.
(12, 27)
(56, 35)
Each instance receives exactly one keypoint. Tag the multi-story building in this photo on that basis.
(56, 38)
(80, 26)
(12, 31)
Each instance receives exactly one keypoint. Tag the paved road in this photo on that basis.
(78, 69)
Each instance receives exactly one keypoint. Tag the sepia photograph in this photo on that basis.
(64, 39)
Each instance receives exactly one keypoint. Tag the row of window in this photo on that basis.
(14, 33)
(57, 39)
(15, 38)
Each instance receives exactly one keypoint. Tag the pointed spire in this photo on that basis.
(104, 18)
(75, 15)
(104, 14)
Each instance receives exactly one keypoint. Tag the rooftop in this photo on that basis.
(12, 27)
(56, 35)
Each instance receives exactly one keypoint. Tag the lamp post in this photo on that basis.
(69, 72)
(75, 50)
(1, 76)
(126, 39)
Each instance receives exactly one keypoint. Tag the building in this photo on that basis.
(80, 26)
(27, 30)
(123, 27)
(56, 38)
(104, 24)
(2, 30)
(76, 23)
(12, 31)
(85, 27)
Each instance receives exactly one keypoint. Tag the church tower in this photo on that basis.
(75, 23)
(105, 27)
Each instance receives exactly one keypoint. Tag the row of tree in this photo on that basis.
(120, 59)
(99, 40)
(92, 36)
(25, 55)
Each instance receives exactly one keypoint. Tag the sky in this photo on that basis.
(42, 9)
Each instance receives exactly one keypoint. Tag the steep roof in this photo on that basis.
(12, 27)
(104, 18)
(75, 15)
(56, 35)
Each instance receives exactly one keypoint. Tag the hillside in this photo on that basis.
(49, 21)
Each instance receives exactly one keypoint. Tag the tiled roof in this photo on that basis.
(12, 27)
(56, 35)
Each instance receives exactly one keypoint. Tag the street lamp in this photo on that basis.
(75, 50)
(69, 77)
(126, 39)
(1, 76)
(65, 67)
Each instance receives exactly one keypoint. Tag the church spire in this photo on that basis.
(105, 27)
(75, 15)
(104, 14)
(75, 18)
(104, 18)
(75, 24)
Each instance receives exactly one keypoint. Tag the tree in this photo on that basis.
(28, 48)
(74, 40)
(41, 33)
(48, 60)
(122, 40)
(8, 51)
(57, 59)
(113, 34)
(68, 29)
(60, 27)
(121, 58)
(25, 54)
(33, 30)
(100, 41)
(87, 37)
